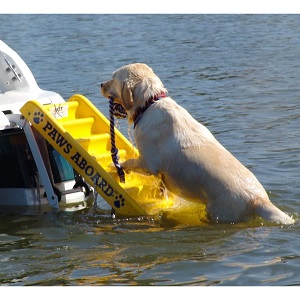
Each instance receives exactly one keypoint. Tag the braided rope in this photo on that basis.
(114, 150)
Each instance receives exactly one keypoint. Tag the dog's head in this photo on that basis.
(132, 86)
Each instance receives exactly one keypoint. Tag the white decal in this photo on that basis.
(59, 111)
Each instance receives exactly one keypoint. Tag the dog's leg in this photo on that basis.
(270, 212)
(135, 165)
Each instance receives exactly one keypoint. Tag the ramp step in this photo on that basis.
(95, 143)
(79, 127)
(105, 157)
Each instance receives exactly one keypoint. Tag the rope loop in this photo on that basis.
(114, 150)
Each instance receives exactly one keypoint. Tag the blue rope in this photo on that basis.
(114, 150)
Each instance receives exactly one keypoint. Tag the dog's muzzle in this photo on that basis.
(119, 111)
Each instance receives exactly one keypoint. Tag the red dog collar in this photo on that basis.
(138, 114)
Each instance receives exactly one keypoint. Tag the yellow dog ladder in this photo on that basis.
(81, 134)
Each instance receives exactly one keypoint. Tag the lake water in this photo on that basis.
(238, 75)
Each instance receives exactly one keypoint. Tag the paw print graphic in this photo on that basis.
(119, 201)
(38, 117)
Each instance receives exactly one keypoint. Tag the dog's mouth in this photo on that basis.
(119, 111)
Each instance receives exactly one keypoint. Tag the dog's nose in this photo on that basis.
(101, 84)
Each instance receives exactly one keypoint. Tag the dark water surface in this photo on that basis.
(238, 75)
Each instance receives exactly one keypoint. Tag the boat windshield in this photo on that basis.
(17, 165)
(61, 169)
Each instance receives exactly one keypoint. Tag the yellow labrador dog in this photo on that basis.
(184, 153)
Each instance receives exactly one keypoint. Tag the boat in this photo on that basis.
(34, 177)
(58, 154)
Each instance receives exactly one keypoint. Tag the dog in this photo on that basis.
(184, 154)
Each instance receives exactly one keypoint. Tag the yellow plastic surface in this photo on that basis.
(80, 133)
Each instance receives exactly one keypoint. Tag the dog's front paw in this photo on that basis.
(127, 169)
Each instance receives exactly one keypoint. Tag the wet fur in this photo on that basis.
(183, 152)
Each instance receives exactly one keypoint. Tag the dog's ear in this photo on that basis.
(126, 94)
